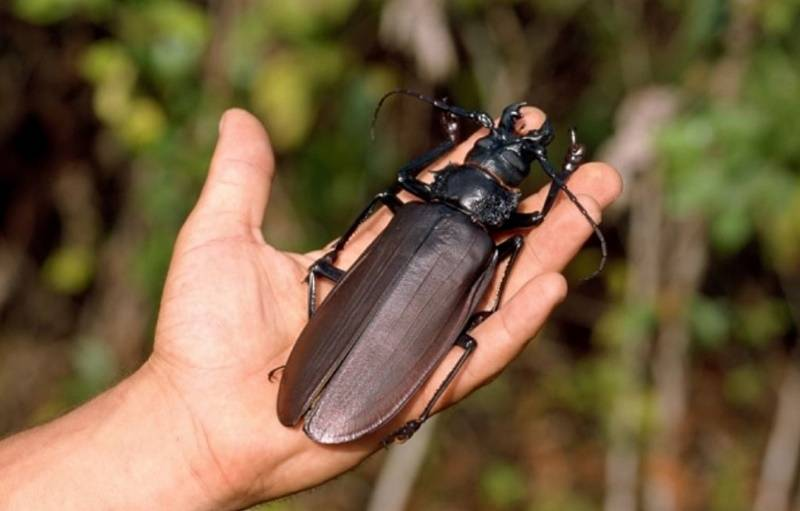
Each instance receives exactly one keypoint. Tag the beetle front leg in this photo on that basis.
(407, 177)
(572, 161)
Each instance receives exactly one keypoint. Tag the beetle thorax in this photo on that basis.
(477, 193)
(506, 157)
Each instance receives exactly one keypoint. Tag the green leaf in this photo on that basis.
(711, 322)
(144, 124)
(762, 321)
(503, 485)
(108, 61)
(731, 228)
(44, 12)
(69, 269)
(282, 96)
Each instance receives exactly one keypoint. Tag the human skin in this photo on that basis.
(195, 427)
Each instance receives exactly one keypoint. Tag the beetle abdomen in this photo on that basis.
(387, 324)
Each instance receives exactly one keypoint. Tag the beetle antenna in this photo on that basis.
(596, 228)
(481, 118)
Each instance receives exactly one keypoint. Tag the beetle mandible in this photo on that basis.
(413, 294)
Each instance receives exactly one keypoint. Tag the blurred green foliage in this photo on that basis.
(503, 486)
(69, 269)
(162, 72)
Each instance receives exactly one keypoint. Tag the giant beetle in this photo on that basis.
(413, 294)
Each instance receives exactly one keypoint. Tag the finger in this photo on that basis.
(597, 179)
(506, 332)
(235, 193)
(551, 245)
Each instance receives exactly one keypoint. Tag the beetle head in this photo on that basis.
(507, 154)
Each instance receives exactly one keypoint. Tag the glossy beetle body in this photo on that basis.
(420, 280)
(414, 293)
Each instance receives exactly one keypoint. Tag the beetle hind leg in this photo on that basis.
(407, 430)
(509, 249)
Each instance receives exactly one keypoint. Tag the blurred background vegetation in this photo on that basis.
(672, 382)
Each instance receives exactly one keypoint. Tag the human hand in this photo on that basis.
(233, 306)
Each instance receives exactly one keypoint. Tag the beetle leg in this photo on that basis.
(572, 160)
(407, 179)
(409, 171)
(322, 267)
(509, 249)
(524, 220)
(387, 199)
(408, 429)
(407, 176)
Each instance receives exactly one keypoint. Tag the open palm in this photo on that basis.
(233, 306)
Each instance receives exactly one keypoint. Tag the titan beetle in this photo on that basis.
(414, 292)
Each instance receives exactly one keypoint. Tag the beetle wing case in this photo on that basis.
(387, 324)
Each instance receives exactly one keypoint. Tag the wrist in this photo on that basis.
(131, 447)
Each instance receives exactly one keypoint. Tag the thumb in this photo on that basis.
(236, 190)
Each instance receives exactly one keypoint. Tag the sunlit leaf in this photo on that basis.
(144, 124)
(108, 61)
(44, 11)
(69, 269)
(282, 96)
